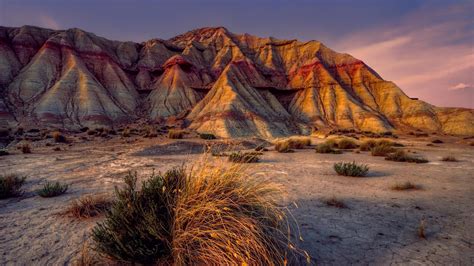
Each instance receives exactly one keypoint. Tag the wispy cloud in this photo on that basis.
(461, 86)
(425, 54)
(48, 22)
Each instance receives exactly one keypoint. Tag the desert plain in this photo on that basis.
(376, 225)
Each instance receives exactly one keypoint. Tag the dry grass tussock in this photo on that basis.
(449, 158)
(10, 185)
(405, 186)
(286, 145)
(89, 206)
(342, 143)
(207, 214)
(176, 134)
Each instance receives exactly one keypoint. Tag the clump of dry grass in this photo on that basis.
(422, 229)
(59, 137)
(368, 144)
(287, 145)
(449, 158)
(10, 185)
(335, 202)
(175, 134)
(89, 206)
(437, 141)
(283, 146)
(50, 189)
(402, 156)
(405, 186)
(346, 144)
(25, 148)
(207, 136)
(326, 148)
(381, 149)
(244, 157)
(205, 215)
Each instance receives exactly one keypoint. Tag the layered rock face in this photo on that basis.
(218, 82)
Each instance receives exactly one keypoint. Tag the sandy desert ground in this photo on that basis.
(378, 227)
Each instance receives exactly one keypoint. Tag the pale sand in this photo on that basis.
(379, 227)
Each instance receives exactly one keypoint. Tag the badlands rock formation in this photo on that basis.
(215, 81)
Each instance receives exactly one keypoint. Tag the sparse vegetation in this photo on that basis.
(422, 229)
(335, 202)
(351, 169)
(175, 134)
(437, 141)
(326, 148)
(346, 144)
(402, 156)
(207, 136)
(50, 189)
(59, 137)
(246, 157)
(368, 144)
(449, 158)
(381, 149)
(208, 215)
(10, 185)
(4, 152)
(283, 146)
(126, 133)
(25, 148)
(89, 206)
(405, 186)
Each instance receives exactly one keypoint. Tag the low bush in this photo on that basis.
(404, 186)
(50, 189)
(246, 157)
(59, 137)
(4, 152)
(437, 141)
(175, 134)
(89, 206)
(210, 215)
(326, 148)
(91, 132)
(10, 185)
(402, 156)
(351, 169)
(207, 136)
(449, 158)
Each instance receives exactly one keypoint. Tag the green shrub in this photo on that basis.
(207, 136)
(50, 189)
(246, 157)
(175, 134)
(326, 148)
(351, 169)
(209, 216)
(402, 156)
(10, 185)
